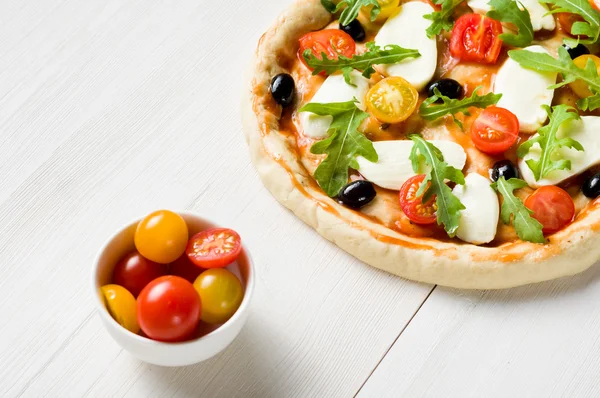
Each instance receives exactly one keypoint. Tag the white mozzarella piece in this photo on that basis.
(407, 29)
(479, 220)
(333, 89)
(540, 19)
(524, 91)
(585, 131)
(394, 167)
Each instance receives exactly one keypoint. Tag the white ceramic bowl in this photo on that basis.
(169, 354)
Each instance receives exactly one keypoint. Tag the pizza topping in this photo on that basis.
(411, 201)
(407, 29)
(355, 30)
(448, 205)
(375, 55)
(479, 220)
(504, 168)
(577, 50)
(527, 103)
(475, 38)
(552, 207)
(342, 146)
(447, 87)
(579, 87)
(357, 194)
(429, 111)
(538, 13)
(591, 187)
(442, 20)
(547, 140)
(588, 30)
(330, 43)
(351, 8)
(392, 100)
(508, 11)
(495, 130)
(513, 210)
(283, 89)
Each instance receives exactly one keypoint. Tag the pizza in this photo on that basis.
(449, 142)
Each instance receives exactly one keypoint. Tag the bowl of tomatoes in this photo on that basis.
(173, 288)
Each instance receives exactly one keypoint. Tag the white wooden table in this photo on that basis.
(112, 108)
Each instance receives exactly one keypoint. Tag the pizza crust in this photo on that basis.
(452, 264)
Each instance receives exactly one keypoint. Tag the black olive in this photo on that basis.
(355, 30)
(283, 89)
(591, 188)
(576, 51)
(448, 87)
(504, 168)
(357, 194)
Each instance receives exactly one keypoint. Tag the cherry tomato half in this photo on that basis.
(134, 272)
(185, 268)
(475, 38)
(580, 87)
(169, 309)
(595, 4)
(329, 41)
(221, 293)
(566, 21)
(495, 130)
(413, 206)
(388, 7)
(552, 206)
(392, 100)
(121, 305)
(214, 248)
(161, 236)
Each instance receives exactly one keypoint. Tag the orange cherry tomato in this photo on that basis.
(332, 42)
(566, 21)
(413, 206)
(214, 248)
(121, 305)
(475, 38)
(495, 130)
(580, 87)
(552, 206)
(161, 236)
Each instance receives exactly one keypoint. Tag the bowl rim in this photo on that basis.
(100, 307)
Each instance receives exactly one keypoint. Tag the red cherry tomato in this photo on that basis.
(566, 21)
(168, 309)
(475, 39)
(184, 268)
(134, 272)
(595, 4)
(495, 130)
(329, 41)
(413, 206)
(214, 248)
(552, 206)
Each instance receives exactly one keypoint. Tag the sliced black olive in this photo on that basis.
(591, 188)
(357, 194)
(283, 89)
(448, 87)
(355, 30)
(504, 168)
(576, 51)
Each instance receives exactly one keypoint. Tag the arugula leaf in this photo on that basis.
(342, 146)
(442, 20)
(550, 143)
(375, 55)
(589, 28)
(448, 205)
(513, 208)
(566, 67)
(509, 11)
(351, 9)
(452, 106)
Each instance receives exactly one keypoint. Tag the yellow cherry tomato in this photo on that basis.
(162, 236)
(122, 306)
(392, 100)
(388, 7)
(221, 293)
(579, 87)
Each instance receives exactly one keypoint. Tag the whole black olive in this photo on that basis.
(357, 194)
(504, 168)
(355, 30)
(576, 51)
(448, 87)
(283, 89)
(591, 188)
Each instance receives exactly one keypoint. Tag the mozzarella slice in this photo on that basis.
(585, 131)
(479, 220)
(540, 19)
(407, 29)
(394, 167)
(333, 89)
(524, 91)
